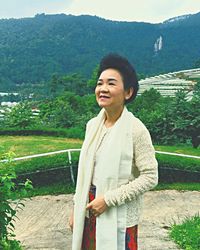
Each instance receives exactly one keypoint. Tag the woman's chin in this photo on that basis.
(102, 104)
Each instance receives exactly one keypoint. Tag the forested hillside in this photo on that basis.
(33, 49)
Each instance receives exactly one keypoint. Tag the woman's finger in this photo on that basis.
(89, 205)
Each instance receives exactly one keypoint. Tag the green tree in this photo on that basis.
(150, 108)
(75, 83)
(68, 110)
(54, 84)
(20, 116)
(194, 127)
(46, 112)
(93, 80)
(63, 114)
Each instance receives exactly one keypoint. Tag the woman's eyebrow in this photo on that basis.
(109, 79)
(112, 79)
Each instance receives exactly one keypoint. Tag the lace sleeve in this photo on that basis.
(145, 162)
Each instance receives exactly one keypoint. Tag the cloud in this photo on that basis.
(25, 8)
(142, 10)
(123, 10)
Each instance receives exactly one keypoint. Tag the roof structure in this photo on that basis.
(168, 84)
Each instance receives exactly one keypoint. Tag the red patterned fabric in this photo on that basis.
(89, 234)
(131, 238)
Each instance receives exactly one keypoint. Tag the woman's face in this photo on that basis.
(110, 91)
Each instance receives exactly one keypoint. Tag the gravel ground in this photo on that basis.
(43, 224)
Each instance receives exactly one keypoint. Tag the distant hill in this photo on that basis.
(33, 49)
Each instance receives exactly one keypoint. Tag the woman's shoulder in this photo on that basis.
(138, 123)
(139, 127)
(95, 118)
(91, 121)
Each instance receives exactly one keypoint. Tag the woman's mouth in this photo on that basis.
(103, 97)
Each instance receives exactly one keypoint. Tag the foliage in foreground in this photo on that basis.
(9, 207)
(10, 245)
(187, 235)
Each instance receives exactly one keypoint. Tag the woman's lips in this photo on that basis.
(102, 97)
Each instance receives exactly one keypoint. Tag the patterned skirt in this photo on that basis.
(89, 233)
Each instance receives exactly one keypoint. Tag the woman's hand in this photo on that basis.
(71, 220)
(97, 206)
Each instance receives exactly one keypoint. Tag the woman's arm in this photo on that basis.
(145, 161)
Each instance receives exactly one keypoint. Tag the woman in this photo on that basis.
(117, 165)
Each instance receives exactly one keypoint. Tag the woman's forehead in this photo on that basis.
(111, 74)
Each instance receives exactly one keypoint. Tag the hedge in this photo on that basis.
(40, 163)
(177, 162)
(75, 132)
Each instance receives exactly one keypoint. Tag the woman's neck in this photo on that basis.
(112, 116)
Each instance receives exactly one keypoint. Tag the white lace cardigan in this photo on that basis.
(144, 175)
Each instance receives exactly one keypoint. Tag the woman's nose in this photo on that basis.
(103, 88)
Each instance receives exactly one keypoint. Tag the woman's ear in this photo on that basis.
(129, 93)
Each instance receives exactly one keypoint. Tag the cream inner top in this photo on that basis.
(103, 137)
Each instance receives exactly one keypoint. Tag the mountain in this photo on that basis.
(33, 49)
(177, 20)
(186, 20)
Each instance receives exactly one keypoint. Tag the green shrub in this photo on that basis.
(7, 212)
(53, 189)
(41, 163)
(74, 132)
(10, 245)
(9, 206)
(183, 163)
(187, 235)
(178, 186)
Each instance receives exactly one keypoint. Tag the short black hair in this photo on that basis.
(126, 70)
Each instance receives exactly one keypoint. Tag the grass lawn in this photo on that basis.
(29, 145)
(179, 149)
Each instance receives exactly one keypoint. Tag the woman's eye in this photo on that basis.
(111, 83)
(99, 83)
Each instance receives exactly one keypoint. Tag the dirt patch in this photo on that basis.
(43, 224)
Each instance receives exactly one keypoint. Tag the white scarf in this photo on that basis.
(116, 165)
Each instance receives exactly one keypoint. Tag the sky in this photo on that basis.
(152, 11)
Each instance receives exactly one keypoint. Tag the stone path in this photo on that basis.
(43, 224)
